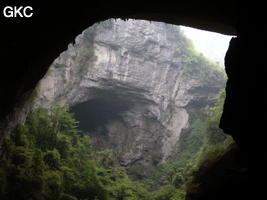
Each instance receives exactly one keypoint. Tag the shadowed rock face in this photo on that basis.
(25, 57)
(220, 178)
(128, 87)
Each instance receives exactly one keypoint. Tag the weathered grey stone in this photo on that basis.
(131, 64)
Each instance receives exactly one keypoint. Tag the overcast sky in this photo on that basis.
(212, 45)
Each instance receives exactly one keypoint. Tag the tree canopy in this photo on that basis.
(48, 158)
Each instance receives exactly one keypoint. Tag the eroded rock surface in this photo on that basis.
(128, 85)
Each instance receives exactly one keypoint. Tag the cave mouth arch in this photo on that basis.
(61, 47)
(125, 85)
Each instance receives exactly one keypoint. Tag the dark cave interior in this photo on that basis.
(29, 45)
(107, 104)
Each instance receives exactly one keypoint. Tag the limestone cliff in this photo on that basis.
(131, 84)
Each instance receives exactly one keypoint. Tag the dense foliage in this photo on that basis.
(203, 142)
(196, 64)
(48, 158)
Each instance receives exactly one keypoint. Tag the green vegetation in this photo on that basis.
(48, 158)
(215, 141)
(202, 142)
(196, 64)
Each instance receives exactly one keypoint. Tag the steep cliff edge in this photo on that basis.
(133, 86)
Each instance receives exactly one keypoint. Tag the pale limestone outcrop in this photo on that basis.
(132, 68)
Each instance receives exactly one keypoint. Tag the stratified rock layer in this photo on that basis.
(127, 84)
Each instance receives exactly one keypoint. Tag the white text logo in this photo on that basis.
(20, 11)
